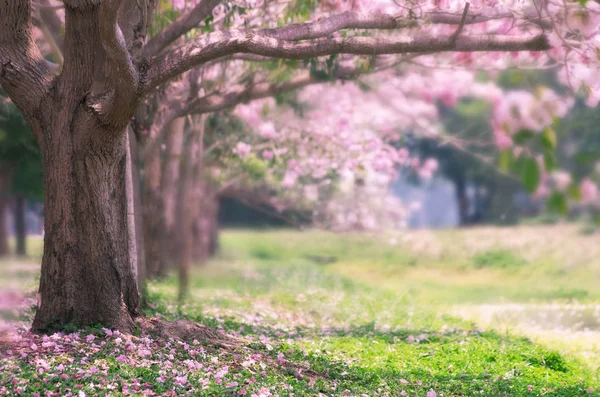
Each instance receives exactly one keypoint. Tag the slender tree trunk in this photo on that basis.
(170, 187)
(137, 208)
(5, 176)
(86, 273)
(152, 211)
(462, 200)
(20, 225)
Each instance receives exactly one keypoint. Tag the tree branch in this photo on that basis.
(179, 27)
(113, 107)
(218, 44)
(24, 73)
(115, 46)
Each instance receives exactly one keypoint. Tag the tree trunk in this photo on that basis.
(205, 229)
(460, 187)
(137, 208)
(20, 225)
(153, 224)
(5, 177)
(86, 275)
(171, 186)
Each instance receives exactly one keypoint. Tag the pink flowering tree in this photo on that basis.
(80, 106)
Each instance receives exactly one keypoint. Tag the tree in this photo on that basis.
(79, 115)
(21, 171)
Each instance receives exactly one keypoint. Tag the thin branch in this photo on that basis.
(179, 27)
(461, 25)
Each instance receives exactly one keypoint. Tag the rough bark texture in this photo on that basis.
(79, 119)
(137, 208)
(86, 274)
(20, 226)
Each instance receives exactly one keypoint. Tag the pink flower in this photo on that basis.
(33, 347)
(90, 338)
(502, 140)
(589, 190)
(530, 388)
(231, 384)
(431, 393)
(289, 179)
(268, 154)
(122, 359)
(267, 130)
(242, 149)
(181, 380)
(280, 358)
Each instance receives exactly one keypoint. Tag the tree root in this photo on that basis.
(186, 330)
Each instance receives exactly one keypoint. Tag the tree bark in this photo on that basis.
(86, 272)
(4, 183)
(20, 225)
(137, 208)
(152, 210)
(171, 186)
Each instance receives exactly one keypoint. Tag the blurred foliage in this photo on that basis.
(20, 151)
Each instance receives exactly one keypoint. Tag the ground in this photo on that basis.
(486, 311)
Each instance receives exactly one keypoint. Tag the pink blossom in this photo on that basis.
(589, 190)
(90, 338)
(268, 154)
(181, 380)
(502, 140)
(242, 149)
(431, 393)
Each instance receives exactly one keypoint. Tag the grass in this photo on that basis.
(352, 315)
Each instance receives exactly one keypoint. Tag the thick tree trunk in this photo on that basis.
(86, 273)
(5, 177)
(20, 225)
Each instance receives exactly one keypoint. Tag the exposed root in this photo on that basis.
(187, 331)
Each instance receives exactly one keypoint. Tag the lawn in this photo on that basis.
(487, 311)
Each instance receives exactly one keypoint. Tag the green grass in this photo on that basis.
(385, 315)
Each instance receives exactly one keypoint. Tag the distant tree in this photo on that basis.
(21, 168)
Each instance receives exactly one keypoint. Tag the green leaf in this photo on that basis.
(506, 160)
(557, 202)
(548, 139)
(522, 136)
(550, 161)
(574, 192)
(529, 173)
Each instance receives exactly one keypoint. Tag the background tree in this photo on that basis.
(21, 172)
